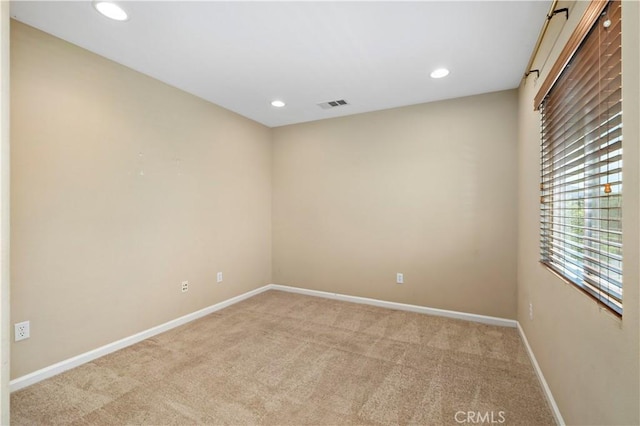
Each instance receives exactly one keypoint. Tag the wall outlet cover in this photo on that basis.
(22, 331)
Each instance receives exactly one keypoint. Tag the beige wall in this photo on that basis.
(427, 190)
(99, 250)
(5, 333)
(589, 358)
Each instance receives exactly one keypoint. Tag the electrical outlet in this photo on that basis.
(22, 330)
(185, 286)
(400, 278)
(530, 311)
(219, 277)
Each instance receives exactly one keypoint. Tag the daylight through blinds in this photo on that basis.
(581, 165)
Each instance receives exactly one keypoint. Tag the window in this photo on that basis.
(581, 158)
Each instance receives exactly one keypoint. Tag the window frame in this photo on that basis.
(583, 29)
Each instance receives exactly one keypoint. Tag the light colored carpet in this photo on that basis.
(288, 359)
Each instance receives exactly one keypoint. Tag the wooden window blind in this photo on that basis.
(581, 164)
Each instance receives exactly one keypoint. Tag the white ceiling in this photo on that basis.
(242, 55)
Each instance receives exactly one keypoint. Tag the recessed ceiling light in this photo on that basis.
(278, 104)
(111, 10)
(439, 73)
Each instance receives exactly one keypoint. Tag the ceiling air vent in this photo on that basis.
(332, 104)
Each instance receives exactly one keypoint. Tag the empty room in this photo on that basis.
(320, 212)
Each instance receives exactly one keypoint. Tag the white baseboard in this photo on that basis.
(503, 322)
(543, 382)
(57, 368)
(52, 370)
